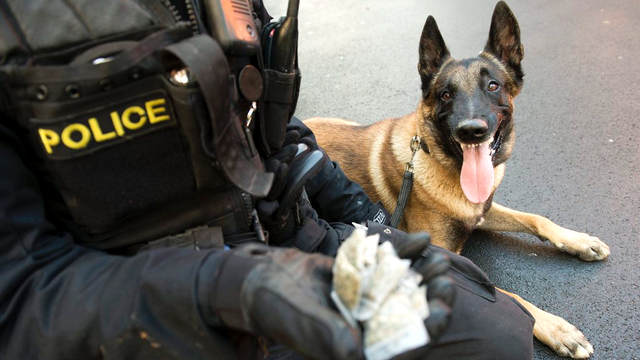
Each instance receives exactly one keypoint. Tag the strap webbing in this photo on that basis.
(405, 190)
(407, 183)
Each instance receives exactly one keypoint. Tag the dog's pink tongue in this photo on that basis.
(476, 178)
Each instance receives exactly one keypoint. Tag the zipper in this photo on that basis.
(248, 206)
(168, 13)
(193, 18)
(172, 9)
(159, 12)
(190, 14)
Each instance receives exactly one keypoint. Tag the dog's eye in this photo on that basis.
(493, 86)
(445, 95)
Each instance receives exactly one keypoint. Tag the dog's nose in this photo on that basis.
(472, 130)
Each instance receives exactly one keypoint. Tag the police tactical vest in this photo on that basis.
(140, 131)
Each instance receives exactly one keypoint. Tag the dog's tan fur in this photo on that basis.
(378, 166)
(375, 157)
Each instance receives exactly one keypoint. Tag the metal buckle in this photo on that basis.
(254, 107)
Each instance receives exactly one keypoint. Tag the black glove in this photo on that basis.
(280, 228)
(284, 294)
(279, 164)
(433, 267)
(306, 135)
(279, 211)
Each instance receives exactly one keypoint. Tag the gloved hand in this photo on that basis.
(279, 164)
(433, 267)
(306, 135)
(281, 227)
(278, 212)
(284, 294)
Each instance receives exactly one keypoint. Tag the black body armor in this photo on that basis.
(150, 114)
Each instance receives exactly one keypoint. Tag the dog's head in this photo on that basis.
(468, 104)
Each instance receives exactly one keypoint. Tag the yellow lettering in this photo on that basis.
(72, 144)
(153, 110)
(117, 124)
(49, 138)
(126, 118)
(97, 131)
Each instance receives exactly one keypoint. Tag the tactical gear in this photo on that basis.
(95, 114)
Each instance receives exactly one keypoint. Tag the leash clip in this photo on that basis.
(415, 146)
(415, 143)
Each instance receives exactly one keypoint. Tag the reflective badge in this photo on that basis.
(380, 217)
(105, 125)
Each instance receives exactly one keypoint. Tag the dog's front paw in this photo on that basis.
(564, 338)
(585, 246)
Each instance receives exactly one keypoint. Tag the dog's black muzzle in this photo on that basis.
(472, 131)
(476, 131)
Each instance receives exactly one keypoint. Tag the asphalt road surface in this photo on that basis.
(577, 152)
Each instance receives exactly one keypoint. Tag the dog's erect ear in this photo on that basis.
(504, 39)
(433, 52)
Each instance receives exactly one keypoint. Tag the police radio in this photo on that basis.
(232, 25)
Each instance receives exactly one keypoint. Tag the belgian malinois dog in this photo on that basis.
(465, 128)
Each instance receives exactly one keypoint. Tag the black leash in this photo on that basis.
(407, 184)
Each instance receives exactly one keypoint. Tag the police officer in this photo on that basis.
(130, 226)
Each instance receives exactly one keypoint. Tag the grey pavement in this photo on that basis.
(577, 152)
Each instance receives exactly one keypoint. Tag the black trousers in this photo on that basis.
(485, 323)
